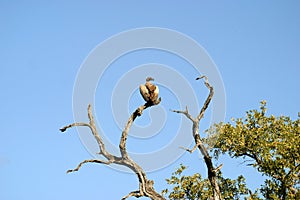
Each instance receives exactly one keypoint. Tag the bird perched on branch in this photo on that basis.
(149, 91)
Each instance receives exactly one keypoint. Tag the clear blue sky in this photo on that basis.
(255, 45)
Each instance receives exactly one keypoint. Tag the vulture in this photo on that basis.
(149, 91)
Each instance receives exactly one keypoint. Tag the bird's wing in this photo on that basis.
(151, 87)
(144, 92)
(155, 93)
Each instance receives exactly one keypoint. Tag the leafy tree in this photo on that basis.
(272, 144)
(195, 187)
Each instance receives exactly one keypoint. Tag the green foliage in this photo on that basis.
(195, 187)
(188, 187)
(273, 145)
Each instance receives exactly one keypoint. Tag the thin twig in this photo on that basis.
(88, 161)
(191, 150)
(218, 168)
(136, 194)
(63, 129)
(185, 112)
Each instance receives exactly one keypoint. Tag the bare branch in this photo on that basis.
(63, 129)
(191, 150)
(218, 168)
(97, 137)
(208, 161)
(208, 99)
(122, 145)
(88, 161)
(136, 194)
(145, 186)
(138, 112)
(186, 113)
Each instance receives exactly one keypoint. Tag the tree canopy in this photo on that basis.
(196, 187)
(272, 145)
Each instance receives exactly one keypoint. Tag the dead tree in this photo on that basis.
(146, 188)
(211, 171)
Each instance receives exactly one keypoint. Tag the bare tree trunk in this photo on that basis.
(146, 188)
(211, 171)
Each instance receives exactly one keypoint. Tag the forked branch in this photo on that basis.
(145, 186)
(199, 144)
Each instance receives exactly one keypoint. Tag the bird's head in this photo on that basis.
(149, 79)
